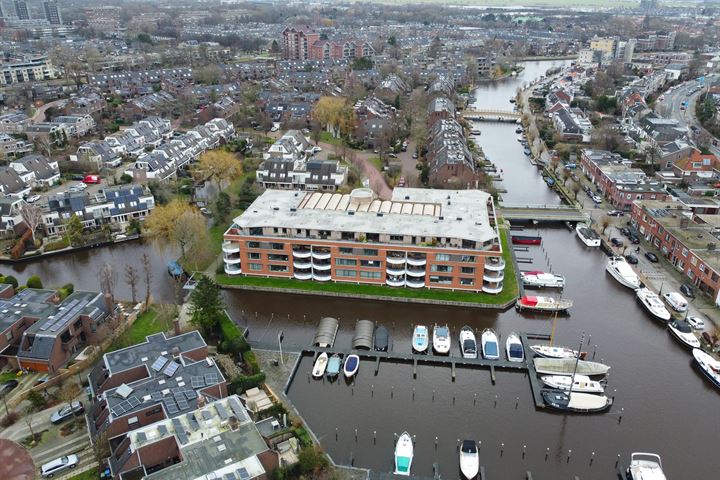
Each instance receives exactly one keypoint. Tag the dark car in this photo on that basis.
(631, 259)
(687, 290)
(616, 242)
(625, 231)
(634, 238)
(651, 256)
(5, 387)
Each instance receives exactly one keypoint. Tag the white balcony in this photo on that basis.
(416, 262)
(323, 267)
(415, 283)
(393, 270)
(303, 275)
(395, 283)
(494, 277)
(495, 267)
(415, 273)
(321, 255)
(494, 289)
(395, 260)
(232, 269)
(302, 263)
(321, 277)
(231, 247)
(231, 259)
(301, 253)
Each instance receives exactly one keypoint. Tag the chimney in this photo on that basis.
(175, 352)
(109, 303)
(176, 325)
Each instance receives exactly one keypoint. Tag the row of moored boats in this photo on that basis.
(331, 365)
(489, 346)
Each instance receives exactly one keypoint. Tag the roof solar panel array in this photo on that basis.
(159, 363)
(171, 368)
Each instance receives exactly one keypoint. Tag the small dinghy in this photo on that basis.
(514, 348)
(320, 365)
(333, 366)
(469, 459)
(352, 364)
(421, 339)
(403, 455)
(582, 384)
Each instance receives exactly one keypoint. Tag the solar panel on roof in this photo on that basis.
(182, 403)
(191, 420)
(197, 382)
(118, 410)
(159, 363)
(237, 408)
(171, 368)
(170, 406)
(190, 394)
(230, 476)
(133, 401)
(156, 396)
(162, 429)
(211, 378)
(221, 411)
(182, 437)
(206, 415)
(141, 437)
(177, 424)
(242, 473)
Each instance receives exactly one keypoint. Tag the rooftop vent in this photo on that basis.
(276, 208)
(351, 212)
(441, 217)
(458, 218)
(293, 209)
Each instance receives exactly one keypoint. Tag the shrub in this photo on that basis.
(243, 382)
(69, 287)
(9, 419)
(34, 282)
(11, 281)
(251, 362)
(36, 399)
(232, 336)
(126, 178)
(56, 245)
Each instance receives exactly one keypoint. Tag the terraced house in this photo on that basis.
(421, 238)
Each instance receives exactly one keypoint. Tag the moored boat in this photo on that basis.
(543, 304)
(489, 342)
(565, 366)
(542, 279)
(441, 339)
(320, 365)
(621, 271)
(514, 348)
(645, 466)
(475, 131)
(469, 459)
(468, 344)
(382, 339)
(587, 235)
(351, 366)
(575, 402)
(582, 384)
(709, 366)
(684, 333)
(652, 304)
(526, 239)
(421, 339)
(548, 351)
(333, 366)
(403, 455)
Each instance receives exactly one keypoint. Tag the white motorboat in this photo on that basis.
(514, 348)
(351, 366)
(621, 271)
(645, 466)
(542, 304)
(469, 459)
(468, 344)
(652, 303)
(441, 340)
(566, 366)
(489, 342)
(548, 351)
(576, 402)
(587, 235)
(582, 384)
(475, 131)
(709, 366)
(403, 455)
(539, 279)
(320, 365)
(683, 332)
(421, 339)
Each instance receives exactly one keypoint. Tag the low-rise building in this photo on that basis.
(26, 70)
(14, 122)
(76, 125)
(697, 167)
(12, 184)
(37, 170)
(10, 217)
(451, 162)
(11, 146)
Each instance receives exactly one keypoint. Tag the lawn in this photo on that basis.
(509, 292)
(91, 474)
(377, 163)
(146, 324)
(5, 376)
(328, 138)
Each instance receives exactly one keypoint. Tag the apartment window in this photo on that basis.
(277, 246)
(253, 244)
(397, 238)
(345, 251)
(256, 266)
(9, 336)
(440, 279)
(442, 257)
(684, 252)
(467, 258)
(345, 273)
(370, 263)
(467, 270)
(348, 262)
(370, 252)
(690, 274)
(273, 257)
(278, 268)
(441, 268)
(702, 267)
(254, 256)
(369, 274)
(467, 281)
(693, 260)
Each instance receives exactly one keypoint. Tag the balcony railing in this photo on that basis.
(231, 258)
(321, 255)
(395, 282)
(493, 288)
(321, 266)
(395, 270)
(494, 277)
(303, 275)
(302, 264)
(496, 266)
(415, 272)
(301, 253)
(415, 283)
(416, 261)
(321, 277)
(232, 269)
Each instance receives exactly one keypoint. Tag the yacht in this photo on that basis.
(441, 340)
(709, 366)
(421, 339)
(652, 303)
(587, 235)
(403, 455)
(514, 348)
(645, 466)
(681, 330)
(566, 366)
(542, 279)
(542, 304)
(582, 383)
(469, 459)
(548, 351)
(489, 341)
(575, 402)
(621, 271)
(468, 344)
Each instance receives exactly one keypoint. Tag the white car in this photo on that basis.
(33, 199)
(696, 322)
(596, 199)
(676, 301)
(58, 465)
(316, 149)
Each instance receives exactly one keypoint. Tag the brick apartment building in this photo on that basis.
(688, 241)
(297, 40)
(421, 238)
(302, 42)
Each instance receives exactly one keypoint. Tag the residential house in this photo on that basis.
(11, 146)
(14, 122)
(86, 104)
(10, 217)
(37, 170)
(75, 125)
(391, 87)
(99, 153)
(301, 174)
(440, 108)
(697, 167)
(12, 184)
(571, 124)
(451, 163)
(53, 133)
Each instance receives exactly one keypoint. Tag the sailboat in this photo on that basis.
(403, 455)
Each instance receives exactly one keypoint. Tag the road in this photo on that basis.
(375, 177)
(39, 115)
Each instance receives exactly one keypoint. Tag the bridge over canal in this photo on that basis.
(491, 115)
(543, 213)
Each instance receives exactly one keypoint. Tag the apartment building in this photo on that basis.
(421, 238)
(297, 41)
(27, 70)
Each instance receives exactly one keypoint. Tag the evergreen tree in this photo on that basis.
(206, 305)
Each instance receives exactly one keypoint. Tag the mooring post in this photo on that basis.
(414, 367)
(492, 374)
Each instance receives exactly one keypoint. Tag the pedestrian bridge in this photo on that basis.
(543, 213)
(491, 115)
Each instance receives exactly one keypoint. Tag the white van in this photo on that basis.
(676, 301)
(58, 465)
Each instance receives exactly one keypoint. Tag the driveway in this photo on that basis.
(408, 166)
(39, 115)
(362, 160)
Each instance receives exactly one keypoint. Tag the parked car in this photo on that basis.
(616, 242)
(651, 256)
(206, 211)
(92, 179)
(634, 238)
(676, 301)
(625, 231)
(616, 213)
(392, 155)
(316, 149)
(58, 465)
(415, 156)
(32, 198)
(696, 322)
(77, 177)
(687, 290)
(631, 259)
(5, 387)
(596, 198)
(68, 411)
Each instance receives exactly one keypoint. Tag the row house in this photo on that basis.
(98, 153)
(376, 122)
(571, 124)
(337, 49)
(75, 125)
(37, 171)
(697, 167)
(86, 104)
(391, 87)
(12, 184)
(147, 104)
(137, 80)
(452, 165)
(14, 122)
(11, 217)
(659, 131)
(53, 133)
(672, 152)
(11, 146)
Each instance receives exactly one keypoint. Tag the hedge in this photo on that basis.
(243, 382)
(251, 362)
(56, 245)
(232, 337)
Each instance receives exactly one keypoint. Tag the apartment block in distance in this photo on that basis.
(421, 238)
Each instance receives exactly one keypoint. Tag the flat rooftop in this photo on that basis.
(411, 211)
(147, 352)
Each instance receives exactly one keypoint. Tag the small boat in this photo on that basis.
(542, 279)
(526, 239)
(475, 131)
(543, 304)
(683, 332)
(565, 366)
(582, 383)
(333, 366)
(421, 339)
(548, 351)
(351, 366)
(575, 402)
(621, 271)
(174, 269)
(709, 366)
(403, 455)
(519, 130)
(382, 339)
(527, 152)
(514, 348)
(468, 344)
(441, 340)
(489, 342)
(320, 365)
(550, 181)
(587, 235)
(469, 459)
(652, 304)
(645, 466)
(512, 100)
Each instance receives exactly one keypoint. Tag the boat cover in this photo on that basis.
(363, 337)
(531, 301)
(325, 333)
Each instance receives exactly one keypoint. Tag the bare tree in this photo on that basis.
(29, 416)
(107, 276)
(575, 187)
(604, 223)
(69, 392)
(131, 277)
(147, 274)
(43, 145)
(32, 216)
